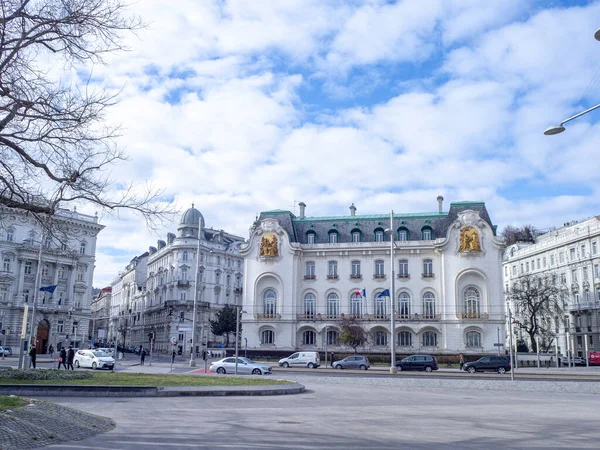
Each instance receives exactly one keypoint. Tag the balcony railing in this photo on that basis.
(332, 277)
(183, 283)
(379, 276)
(355, 277)
(306, 316)
(585, 305)
(267, 316)
(427, 275)
(310, 277)
(403, 275)
(473, 316)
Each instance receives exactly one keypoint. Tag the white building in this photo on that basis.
(570, 255)
(68, 256)
(305, 274)
(156, 291)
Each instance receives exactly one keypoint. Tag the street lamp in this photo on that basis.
(196, 288)
(557, 129)
(237, 333)
(390, 231)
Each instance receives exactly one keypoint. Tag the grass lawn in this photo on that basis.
(142, 379)
(12, 402)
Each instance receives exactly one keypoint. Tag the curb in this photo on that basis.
(29, 390)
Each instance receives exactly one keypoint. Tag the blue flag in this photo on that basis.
(385, 293)
(48, 289)
(364, 292)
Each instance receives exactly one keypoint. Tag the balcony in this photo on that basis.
(473, 316)
(379, 276)
(332, 277)
(267, 316)
(356, 277)
(238, 290)
(404, 275)
(584, 306)
(183, 283)
(306, 316)
(427, 275)
(310, 277)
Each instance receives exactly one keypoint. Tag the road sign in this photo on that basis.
(184, 329)
(24, 326)
(498, 345)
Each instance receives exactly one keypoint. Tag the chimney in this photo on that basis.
(352, 210)
(302, 206)
(440, 199)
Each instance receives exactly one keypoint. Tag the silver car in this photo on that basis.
(245, 366)
(353, 362)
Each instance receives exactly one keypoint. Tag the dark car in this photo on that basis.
(418, 362)
(353, 362)
(499, 364)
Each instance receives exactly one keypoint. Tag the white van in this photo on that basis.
(312, 360)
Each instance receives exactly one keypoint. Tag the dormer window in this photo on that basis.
(333, 237)
(403, 234)
(426, 234)
(356, 235)
(379, 235)
(310, 238)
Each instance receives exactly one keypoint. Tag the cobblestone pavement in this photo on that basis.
(43, 423)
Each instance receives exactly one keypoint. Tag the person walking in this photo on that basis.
(32, 355)
(173, 357)
(62, 358)
(51, 351)
(462, 361)
(332, 359)
(70, 358)
(142, 356)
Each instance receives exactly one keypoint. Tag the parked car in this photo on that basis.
(244, 366)
(352, 362)
(312, 360)
(500, 364)
(418, 362)
(6, 351)
(93, 359)
(575, 361)
(109, 351)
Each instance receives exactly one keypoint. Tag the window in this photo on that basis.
(379, 272)
(429, 339)
(26, 295)
(310, 305)
(182, 296)
(333, 237)
(582, 254)
(332, 337)
(28, 268)
(310, 270)
(405, 339)
(537, 264)
(270, 303)
(80, 276)
(6, 264)
(426, 234)
(82, 248)
(184, 274)
(9, 235)
(267, 337)
(356, 305)
(332, 272)
(3, 294)
(403, 234)
(45, 270)
(60, 327)
(355, 269)
(310, 238)
(597, 270)
(572, 254)
(333, 305)
(429, 305)
(403, 269)
(380, 307)
(74, 329)
(472, 303)
(308, 337)
(404, 305)
(552, 260)
(561, 257)
(356, 236)
(217, 276)
(427, 268)
(514, 270)
(574, 276)
(473, 339)
(544, 262)
(185, 256)
(61, 272)
(586, 276)
(505, 271)
(527, 267)
(380, 338)
(594, 247)
(378, 235)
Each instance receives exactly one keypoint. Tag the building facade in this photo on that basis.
(155, 293)
(68, 247)
(100, 310)
(306, 275)
(570, 257)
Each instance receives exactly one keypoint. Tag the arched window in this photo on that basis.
(82, 248)
(379, 236)
(356, 235)
(185, 255)
(333, 337)
(333, 237)
(310, 305)
(309, 337)
(473, 339)
(311, 237)
(267, 337)
(404, 305)
(426, 234)
(429, 305)
(403, 234)
(405, 339)
(380, 338)
(429, 339)
(356, 305)
(333, 305)
(270, 303)
(380, 307)
(9, 234)
(472, 303)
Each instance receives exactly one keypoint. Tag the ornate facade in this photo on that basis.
(305, 275)
(68, 250)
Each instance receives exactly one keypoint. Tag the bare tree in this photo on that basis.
(55, 148)
(353, 333)
(526, 233)
(537, 308)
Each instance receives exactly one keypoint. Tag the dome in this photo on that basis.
(188, 225)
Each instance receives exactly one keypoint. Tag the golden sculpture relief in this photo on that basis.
(268, 245)
(469, 240)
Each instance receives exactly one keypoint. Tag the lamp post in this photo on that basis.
(196, 288)
(237, 333)
(556, 129)
(390, 231)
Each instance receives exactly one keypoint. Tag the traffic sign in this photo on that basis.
(184, 329)
(498, 345)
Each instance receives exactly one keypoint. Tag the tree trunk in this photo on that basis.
(533, 342)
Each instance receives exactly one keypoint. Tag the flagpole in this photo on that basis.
(393, 368)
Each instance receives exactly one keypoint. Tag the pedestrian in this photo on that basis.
(462, 361)
(70, 358)
(62, 358)
(51, 351)
(143, 356)
(332, 358)
(173, 357)
(32, 354)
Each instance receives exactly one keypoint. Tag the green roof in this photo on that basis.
(277, 211)
(467, 203)
(372, 217)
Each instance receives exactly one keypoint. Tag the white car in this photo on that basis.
(93, 359)
(109, 351)
(244, 366)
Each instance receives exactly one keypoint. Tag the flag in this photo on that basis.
(364, 292)
(385, 293)
(48, 288)
(357, 293)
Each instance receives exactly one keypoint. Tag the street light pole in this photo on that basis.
(393, 368)
(237, 331)
(38, 278)
(196, 288)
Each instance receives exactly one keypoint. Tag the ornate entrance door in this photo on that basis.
(43, 330)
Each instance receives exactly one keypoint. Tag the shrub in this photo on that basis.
(44, 374)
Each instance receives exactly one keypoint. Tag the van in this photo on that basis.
(312, 360)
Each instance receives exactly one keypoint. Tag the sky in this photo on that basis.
(247, 106)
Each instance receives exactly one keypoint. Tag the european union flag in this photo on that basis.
(385, 293)
(48, 288)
